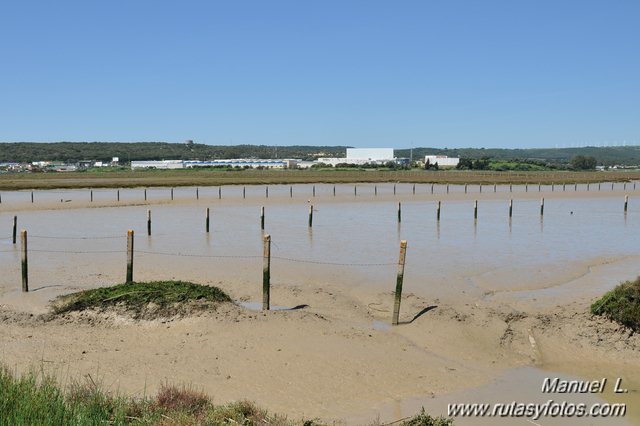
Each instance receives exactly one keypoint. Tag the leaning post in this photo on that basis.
(15, 228)
(266, 272)
(25, 270)
(129, 256)
(399, 279)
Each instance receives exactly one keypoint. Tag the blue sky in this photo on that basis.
(360, 73)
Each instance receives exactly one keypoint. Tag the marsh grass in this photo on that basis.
(138, 296)
(206, 177)
(622, 304)
(36, 399)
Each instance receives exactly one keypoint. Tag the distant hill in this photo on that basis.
(104, 151)
(607, 156)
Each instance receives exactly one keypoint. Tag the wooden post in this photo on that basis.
(290, 191)
(626, 202)
(399, 279)
(197, 194)
(539, 187)
(266, 192)
(244, 192)
(526, 187)
(575, 187)
(510, 187)
(310, 215)
(91, 193)
(495, 187)
(510, 209)
(563, 186)
(612, 185)
(314, 190)
(206, 220)
(432, 188)
(15, 228)
(171, 194)
(394, 189)
(438, 212)
(266, 273)
(219, 192)
(148, 222)
(465, 188)
(447, 188)
(624, 186)
(414, 189)
(480, 188)
(375, 190)
(118, 195)
(129, 256)
(32, 197)
(542, 206)
(334, 190)
(399, 212)
(599, 183)
(475, 209)
(262, 217)
(145, 194)
(25, 268)
(355, 190)
(588, 185)
(553, 187)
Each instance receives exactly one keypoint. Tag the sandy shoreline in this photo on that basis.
(337, 358)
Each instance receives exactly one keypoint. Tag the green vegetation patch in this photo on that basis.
(37, 399)
(137, 297)
(622, 304)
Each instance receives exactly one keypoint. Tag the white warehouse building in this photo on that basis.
(361, 156)
(370, 154)
(164, 164)
(442, 160)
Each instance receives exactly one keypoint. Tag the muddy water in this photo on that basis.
(583, 246)
(354, 239)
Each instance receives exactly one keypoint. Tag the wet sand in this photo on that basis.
(483, 299)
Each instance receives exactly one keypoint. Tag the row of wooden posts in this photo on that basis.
(310, 220)
(438, 209)
(266, 270)
(355, 190)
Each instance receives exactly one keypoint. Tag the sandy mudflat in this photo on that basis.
(335, 359)
(489, 333)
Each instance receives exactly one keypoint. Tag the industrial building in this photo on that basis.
(441, 160)
(360, 156)
(238, 162)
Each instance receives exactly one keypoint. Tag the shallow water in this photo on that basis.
(354, 239)
(584, 245)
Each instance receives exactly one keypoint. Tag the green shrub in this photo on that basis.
(136, 296)
(622, 304)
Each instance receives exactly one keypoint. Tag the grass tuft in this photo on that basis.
(622, 305)
(424, 419)
(137, 296)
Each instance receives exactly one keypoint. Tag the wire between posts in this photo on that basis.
(198, 255)
(76, 238)
(319, 262)
(76, 252)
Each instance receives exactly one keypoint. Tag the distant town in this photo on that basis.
(28, 157)
(362, 157)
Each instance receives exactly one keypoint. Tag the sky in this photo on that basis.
(362, 73)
